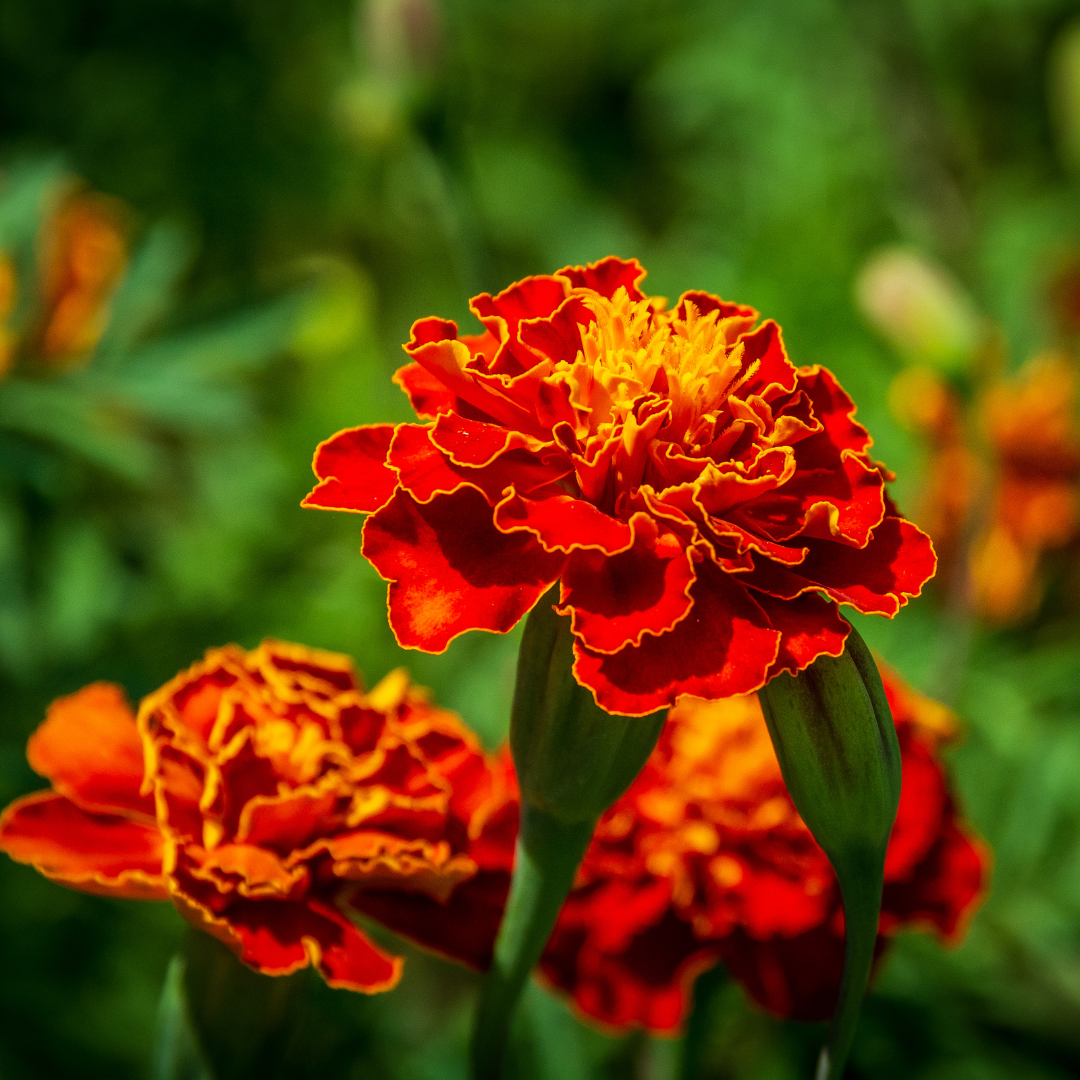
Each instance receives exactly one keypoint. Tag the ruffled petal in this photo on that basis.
(876, 580)
(424, 471)
(278, 937)
(614, 601)
(810, 627)
(96, 853)
(450, 570)
(90, 748)
(352, 470)
(607, 276)
(463, 928)
(725, 646)
(427, 394)
(563, 523)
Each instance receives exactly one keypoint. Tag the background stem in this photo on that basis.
(548, 852)
(861, 890)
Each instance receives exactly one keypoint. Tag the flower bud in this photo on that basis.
(836, 743)
(920, 308)
(573, 760)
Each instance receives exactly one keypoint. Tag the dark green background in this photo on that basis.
(305, 178)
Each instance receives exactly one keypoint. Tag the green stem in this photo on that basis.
(860, 887)
(548, 852)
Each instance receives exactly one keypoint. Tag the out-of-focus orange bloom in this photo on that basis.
(84, 256)
(1031, 424)
(8, 292)
(706, 859)
(924, 402)
(259, 791)
(707, 854)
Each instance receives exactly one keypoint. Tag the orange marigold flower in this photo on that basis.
(705, 504)
(259, 791)
(705, 857)
(83, 260)
(1031, 423)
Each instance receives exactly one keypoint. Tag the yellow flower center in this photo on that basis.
(633, 351)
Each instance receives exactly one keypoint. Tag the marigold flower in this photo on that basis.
(705, 504)
(1031, 424)
(259, 791)
(705, 857)
(85, 255)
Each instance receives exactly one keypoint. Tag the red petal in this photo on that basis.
(707, 303)
(776, 373)
(451, 570)
(876, 580)
(615, 600)
(563, 523)
(473, 443)
(461, 929)
(810, 627)
(842, 499)
(352, 470)
(919, 818)
(725, 646)
(95, 853)
(946, 888)
(797, 977)
(427, 394)
(834, 408)
(424, 471)
(90, 748)
(279, 937)
(607, 276)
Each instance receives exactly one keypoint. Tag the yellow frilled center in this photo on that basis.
(633, 350)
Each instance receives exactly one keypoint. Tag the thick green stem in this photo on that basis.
(547, 857)
(573, 760)
(861, 890)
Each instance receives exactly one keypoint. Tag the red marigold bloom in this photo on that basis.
(705, 504)
(259, 791)
(705, 857)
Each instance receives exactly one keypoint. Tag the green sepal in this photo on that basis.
(573, 760)
(836, 743)
(835, 739)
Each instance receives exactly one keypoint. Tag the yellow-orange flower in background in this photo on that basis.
(1031, 423)
(259, 791)
(83, 256)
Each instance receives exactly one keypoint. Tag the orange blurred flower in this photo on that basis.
(259, 791)
(1031, 424)
(705, 858)
(924, 402)
(84, 255)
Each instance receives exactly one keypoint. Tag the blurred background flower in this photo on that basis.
(270, 194)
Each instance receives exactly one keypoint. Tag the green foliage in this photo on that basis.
(305, 179)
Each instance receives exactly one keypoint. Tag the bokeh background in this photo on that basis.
(217, 222)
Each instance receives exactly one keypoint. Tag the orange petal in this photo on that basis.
(89, 747)
(95, 853)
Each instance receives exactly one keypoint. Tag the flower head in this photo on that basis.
(705, 858)
(259, 791)
(705, 504)
(1032, 427)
